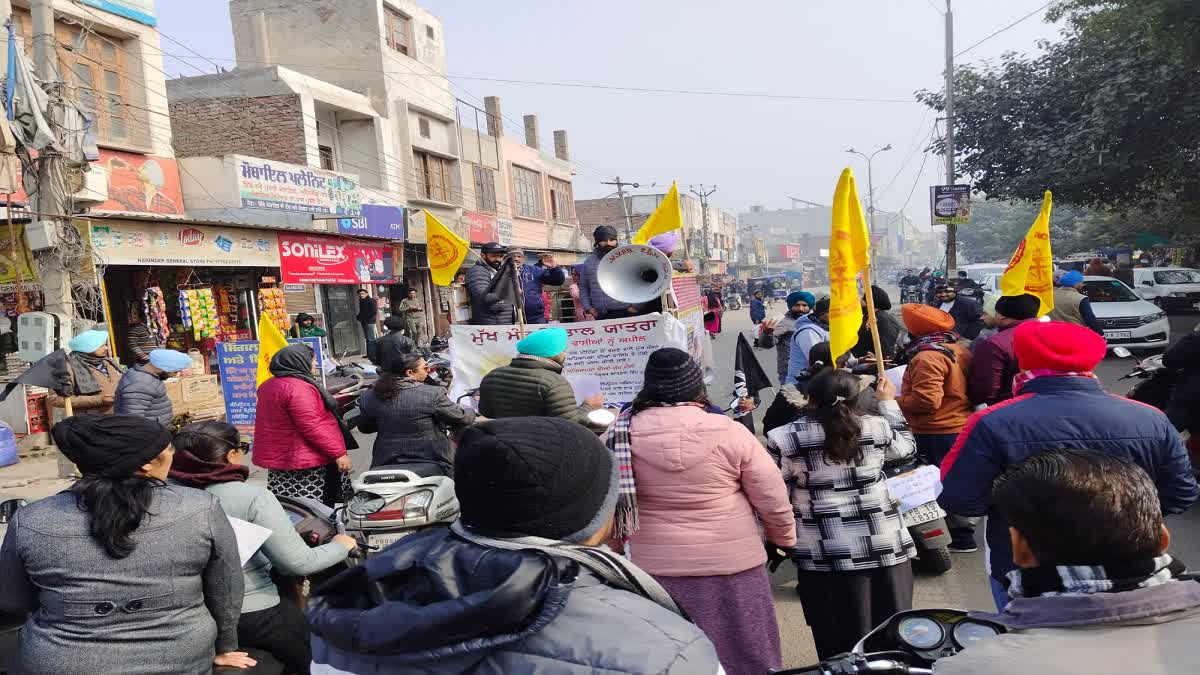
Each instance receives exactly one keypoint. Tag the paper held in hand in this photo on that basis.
(916, 487)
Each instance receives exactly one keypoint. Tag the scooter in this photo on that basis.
(1157, 381)
(926, 523)
(412, 496)
(909, 643)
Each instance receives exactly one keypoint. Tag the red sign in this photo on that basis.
(320, 259)
(790, 251)
(190, 236)
(483, 227)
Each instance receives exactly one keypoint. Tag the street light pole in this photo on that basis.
(870, 187)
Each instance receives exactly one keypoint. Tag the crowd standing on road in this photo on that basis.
(689, 505)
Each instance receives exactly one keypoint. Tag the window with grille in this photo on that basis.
(433, 176)
(527, 189)
(562, 206)
(485, 189)
(326, 154)
(399, 31)
(423, 126)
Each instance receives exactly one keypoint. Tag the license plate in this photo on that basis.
(922, 514)
(1118, 334)
(382, 540)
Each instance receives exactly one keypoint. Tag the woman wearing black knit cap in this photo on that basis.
(122, 572)
(691, 485)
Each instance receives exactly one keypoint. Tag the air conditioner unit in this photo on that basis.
(95, 188)
(39, 334)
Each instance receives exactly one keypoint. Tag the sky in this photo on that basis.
(755, 150)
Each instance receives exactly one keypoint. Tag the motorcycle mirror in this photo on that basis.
(365, 503)
(8, 508)
(1122, 352)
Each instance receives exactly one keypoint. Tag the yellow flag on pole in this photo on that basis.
(270, 340)
(665, 218)
(848, 255)
(1031, 268)
(446, 250)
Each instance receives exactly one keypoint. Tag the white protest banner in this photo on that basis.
(610, 353)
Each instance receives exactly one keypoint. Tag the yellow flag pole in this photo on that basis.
(871, 320)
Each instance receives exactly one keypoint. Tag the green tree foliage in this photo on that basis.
(1108, 117)
(997, 227)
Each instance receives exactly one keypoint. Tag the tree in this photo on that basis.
(997, 227)
(1172, 24)
(1104, 122)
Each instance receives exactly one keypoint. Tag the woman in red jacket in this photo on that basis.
(298, 435)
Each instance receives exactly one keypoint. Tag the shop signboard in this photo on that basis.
(377, 221)
(141, 11)
(267, 184)
(482, 228)
(166, 243)
(950, 204)
(322, 259)
(237, 364)
(136, 183)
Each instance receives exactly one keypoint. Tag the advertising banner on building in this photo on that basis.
(950, 204)
(267, 184)
(482, 228)
(605, 356)
(321, 259)
(376, 221)
(136, 183)
(16, 262)
(136, 243)
(237, 364)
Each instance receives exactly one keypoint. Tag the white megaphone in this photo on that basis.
(634, 273)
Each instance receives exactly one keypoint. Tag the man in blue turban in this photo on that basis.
(532, 385)
(1071, 304)
(94, 375)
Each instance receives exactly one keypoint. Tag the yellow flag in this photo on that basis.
(665, 218)
(446, 250)
(270, 340)
(848, 256)
(1031, 268)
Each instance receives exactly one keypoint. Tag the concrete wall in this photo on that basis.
(271, 127)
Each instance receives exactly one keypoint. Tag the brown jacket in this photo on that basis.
(934, 398)
(92, 403)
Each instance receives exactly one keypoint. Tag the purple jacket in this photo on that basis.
(993, 368)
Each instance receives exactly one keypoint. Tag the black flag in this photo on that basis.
(749, 378)
(505, 285)
(50, 372)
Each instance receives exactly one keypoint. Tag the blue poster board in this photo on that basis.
(237, 363)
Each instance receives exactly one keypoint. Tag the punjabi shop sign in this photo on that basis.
(165, 243)
(267, 184)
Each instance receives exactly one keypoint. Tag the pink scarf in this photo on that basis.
(1026, 376)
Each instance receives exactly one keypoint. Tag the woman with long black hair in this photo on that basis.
(208, 456)
(412, 419)
(122, 572)
(852, 549)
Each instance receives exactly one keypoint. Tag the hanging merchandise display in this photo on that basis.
(155, 308)
(271, 303)
(198, 311)
(227, 313)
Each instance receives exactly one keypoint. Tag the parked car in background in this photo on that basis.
(1126, 320)
(1171, 288)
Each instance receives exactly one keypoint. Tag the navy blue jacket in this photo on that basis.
(532, 278)
(1053, 413)
(758, 310)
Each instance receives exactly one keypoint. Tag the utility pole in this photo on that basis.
(49, 200)
(871, 187)
(620, 184)
(951, 229)
(703, 195)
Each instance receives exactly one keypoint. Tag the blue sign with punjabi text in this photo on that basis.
(237, 363)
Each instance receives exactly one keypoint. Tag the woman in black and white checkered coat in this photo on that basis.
(852, 549)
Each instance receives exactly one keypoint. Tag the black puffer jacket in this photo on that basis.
(1184, 407)
(412, 425)
(487, 309)
(530, 387)
(392, 346)
(143, 394)
(434, 603)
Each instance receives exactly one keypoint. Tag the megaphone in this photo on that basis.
(634, 273)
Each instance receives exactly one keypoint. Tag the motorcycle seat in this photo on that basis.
(421, 469)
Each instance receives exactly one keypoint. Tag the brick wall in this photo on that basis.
(271, 127)
(591, 213)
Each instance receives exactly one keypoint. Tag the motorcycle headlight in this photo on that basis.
(1150, 318)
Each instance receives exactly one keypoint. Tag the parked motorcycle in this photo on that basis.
(926, 524)
(909, 643)
(732, 301)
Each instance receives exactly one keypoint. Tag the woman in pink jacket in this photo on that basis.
(298, 435)
(692, 484)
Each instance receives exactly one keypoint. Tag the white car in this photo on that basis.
(1126, 319)
(1168, 287)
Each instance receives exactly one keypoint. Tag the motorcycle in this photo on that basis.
(909, 643)
(926, 522)
(1157, 381)
(911, 295)
(732, 301)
